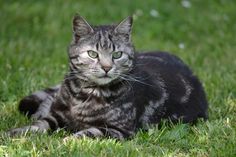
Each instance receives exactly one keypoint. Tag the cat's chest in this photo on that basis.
(97, 110)
(89, 106)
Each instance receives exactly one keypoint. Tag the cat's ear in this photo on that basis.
(125, 27)
(81, 26)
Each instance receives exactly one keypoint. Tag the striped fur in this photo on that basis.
(137, 90)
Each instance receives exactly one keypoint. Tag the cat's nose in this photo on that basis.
(106, 68)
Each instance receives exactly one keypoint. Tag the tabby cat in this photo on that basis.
(111, 91)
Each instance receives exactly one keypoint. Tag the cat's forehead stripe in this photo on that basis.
(104, 41)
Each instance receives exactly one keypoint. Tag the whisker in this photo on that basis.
(129, 78)
(135, 77)
(127, 83)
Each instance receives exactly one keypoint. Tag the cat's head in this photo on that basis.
(101, 54)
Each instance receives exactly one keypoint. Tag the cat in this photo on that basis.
(112, 91)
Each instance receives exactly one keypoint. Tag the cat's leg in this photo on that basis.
(37, 105)
(58, 114)
(43, 108)
(41, 126)
(95, 132)
(54, 120)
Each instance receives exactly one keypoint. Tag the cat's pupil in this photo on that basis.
(92, 54)
(117, 55)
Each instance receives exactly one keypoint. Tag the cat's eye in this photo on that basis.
(117, 55)
(92, 54)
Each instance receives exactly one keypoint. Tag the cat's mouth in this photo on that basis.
(104, 79)
(104, 76)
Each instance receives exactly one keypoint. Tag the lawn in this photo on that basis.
(34, 36)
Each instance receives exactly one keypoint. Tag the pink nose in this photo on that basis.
(106, 68)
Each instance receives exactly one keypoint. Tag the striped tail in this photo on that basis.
(37, 105)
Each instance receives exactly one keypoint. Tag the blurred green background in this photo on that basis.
(34, 36)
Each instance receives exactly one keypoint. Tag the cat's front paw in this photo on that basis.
(23, 131)
(91, 132)
(17, 131)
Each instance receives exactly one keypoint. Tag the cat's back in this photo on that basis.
(162, 61)
(168, 69)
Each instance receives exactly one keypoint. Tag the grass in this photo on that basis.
(34, 36)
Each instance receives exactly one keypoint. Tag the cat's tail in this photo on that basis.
(37, 104)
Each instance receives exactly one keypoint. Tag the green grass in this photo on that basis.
(34, 36)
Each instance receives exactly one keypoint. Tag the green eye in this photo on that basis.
(116, 55)
(92, 54)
